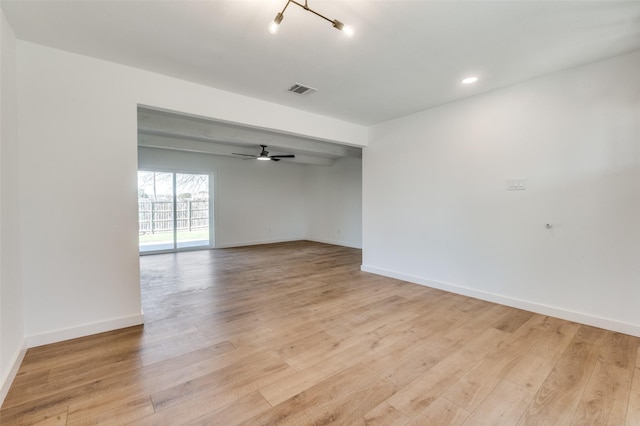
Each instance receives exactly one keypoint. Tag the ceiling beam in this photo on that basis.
(212, 148)
(171, 125)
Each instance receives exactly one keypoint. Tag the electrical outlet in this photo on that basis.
(518, 184)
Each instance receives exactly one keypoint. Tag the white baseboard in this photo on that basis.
(554, 311)
(287, 240)
(257, 242)
(335, 243)
(7, 380)
(84, 330)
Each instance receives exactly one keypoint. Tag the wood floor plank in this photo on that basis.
(434, 349)
(503, 406)
(210, 393)
(59, 419)
(25, 380)
(556, 339)
(156, 377)
(441, 412)
(367, 343)
(557, 399)
(247, 371)
(62, 372)
(479, 381)
(341, 399)
(277, 334)
(417, 395)
(299, 381)
(115, 412)
(314, 344)
(620, 350)
(173, 346)
(352, 409)
(632, 416)
(605, 399)
(47, 415)
(332, 362)
(295, 333)
(430, 328)
(245, 408)
(531, 371)
(512, 321)
(78, 350)
(385, 414)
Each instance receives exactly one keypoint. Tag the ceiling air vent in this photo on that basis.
(299, 89)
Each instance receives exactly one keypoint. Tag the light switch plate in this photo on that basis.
(516, 184)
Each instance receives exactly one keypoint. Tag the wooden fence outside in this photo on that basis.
(157, 216)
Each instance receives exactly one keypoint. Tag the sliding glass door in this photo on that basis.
(155, 211)
(192, 210)
(173, 211)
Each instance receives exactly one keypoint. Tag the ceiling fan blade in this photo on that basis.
(283, 156)
(244, 155)
(274, 159)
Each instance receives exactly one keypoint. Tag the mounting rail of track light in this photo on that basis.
(273, 28)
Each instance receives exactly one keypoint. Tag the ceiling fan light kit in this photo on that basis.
(338, 25)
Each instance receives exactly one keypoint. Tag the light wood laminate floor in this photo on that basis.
(296, 334)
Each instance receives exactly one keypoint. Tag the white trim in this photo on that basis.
(288, 240)
(84, 330)
(258, 242)
(7, 381)
(254, 243)
(606, 323)
(335, 243)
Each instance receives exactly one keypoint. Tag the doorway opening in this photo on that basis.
(174, 212)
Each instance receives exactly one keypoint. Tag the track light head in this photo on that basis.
(275, 25)
(340, 26)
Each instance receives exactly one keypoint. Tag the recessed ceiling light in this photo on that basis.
(469, 80)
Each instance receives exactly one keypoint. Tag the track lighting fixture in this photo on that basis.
(273, 28)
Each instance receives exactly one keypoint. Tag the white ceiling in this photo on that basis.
(406, 56)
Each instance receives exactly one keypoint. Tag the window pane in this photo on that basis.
(192, 210)
(155, 211)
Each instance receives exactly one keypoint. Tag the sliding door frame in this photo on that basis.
(212, 207)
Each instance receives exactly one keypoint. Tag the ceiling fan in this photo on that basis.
(264, 155)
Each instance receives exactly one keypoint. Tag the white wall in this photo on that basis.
(260, 202)
(436, 210)
(334, 203)
(12, 342)
(77, 133)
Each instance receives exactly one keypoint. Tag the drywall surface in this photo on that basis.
(11, 314)
(253, 201)
(437, 212)
(78, 135)
(334, 203)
